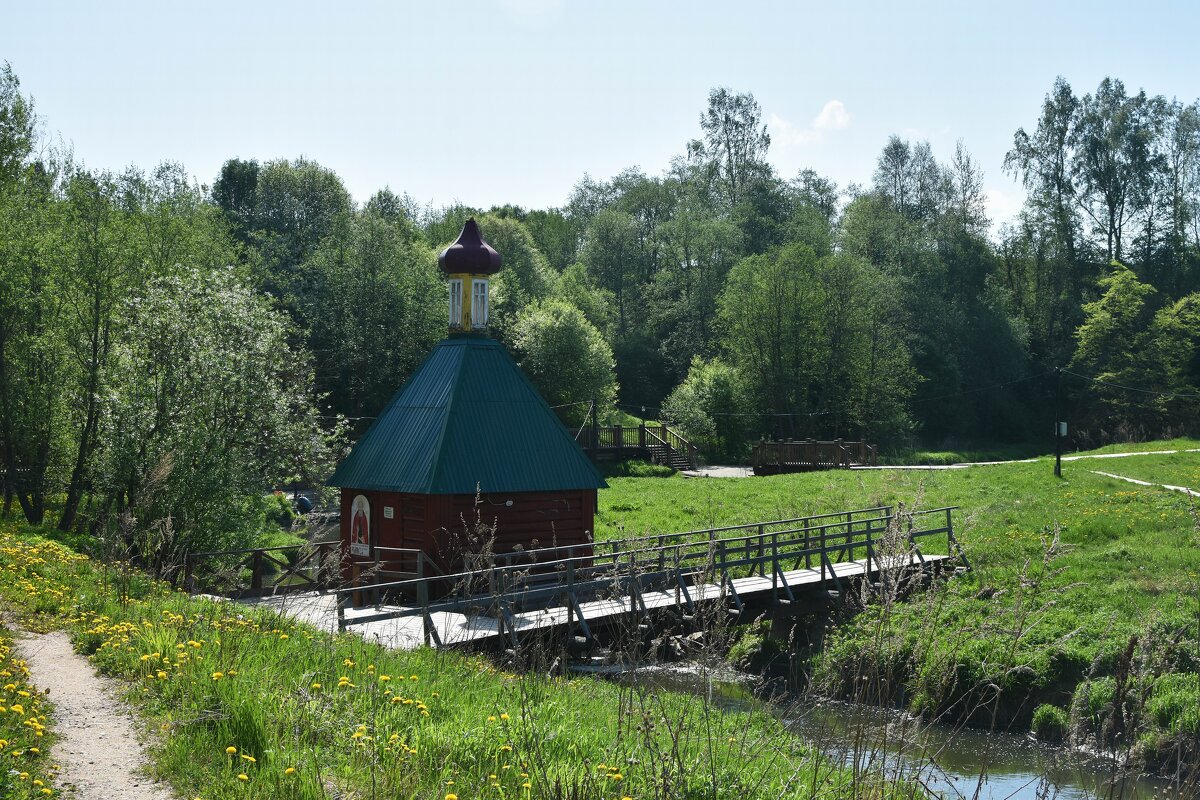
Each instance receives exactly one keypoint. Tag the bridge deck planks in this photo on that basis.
(406, 632)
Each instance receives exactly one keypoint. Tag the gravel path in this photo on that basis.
(97, 747)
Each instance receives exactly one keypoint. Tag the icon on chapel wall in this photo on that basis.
(360, 527)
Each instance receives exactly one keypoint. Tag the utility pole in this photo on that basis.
(1060, 427)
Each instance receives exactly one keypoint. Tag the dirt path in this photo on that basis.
(98, 749)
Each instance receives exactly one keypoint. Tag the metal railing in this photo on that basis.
(677, 563)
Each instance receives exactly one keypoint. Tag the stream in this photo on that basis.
(951, 762)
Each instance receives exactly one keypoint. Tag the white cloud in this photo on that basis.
(832, 117)
(786, 134)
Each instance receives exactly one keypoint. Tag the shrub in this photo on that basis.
(1175, 703)
(1050, 723)
(635, 468)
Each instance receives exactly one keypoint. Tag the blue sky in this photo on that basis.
(514, 100)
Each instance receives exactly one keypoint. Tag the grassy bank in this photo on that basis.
(1085, 593)
(245, 704)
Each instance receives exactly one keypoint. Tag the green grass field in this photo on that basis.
(1066, 573)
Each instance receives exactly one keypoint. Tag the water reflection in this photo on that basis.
(953, 763)
(961, 762)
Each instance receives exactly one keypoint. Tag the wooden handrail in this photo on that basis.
(694, 549)
(641, 437)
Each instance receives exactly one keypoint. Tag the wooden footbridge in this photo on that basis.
(809, 455)
(402, 600)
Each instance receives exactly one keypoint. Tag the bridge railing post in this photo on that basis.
(189, 576)
(423, 600)
(632, 585)
(774, 562)
(761, 539)
(869, 550)
(256, 572)
(375, 575)
(824, 554)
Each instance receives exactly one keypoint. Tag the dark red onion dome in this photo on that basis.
(470, 254)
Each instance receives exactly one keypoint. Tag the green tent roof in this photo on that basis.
(468, 416)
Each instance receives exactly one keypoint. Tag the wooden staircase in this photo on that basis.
(670, 449)
(657, 443)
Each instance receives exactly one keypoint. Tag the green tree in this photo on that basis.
(610, 255)
(235, 191)
(377, 307)
(711, 408)
(17, 127)
(767, 312)
(1110, 344)
(1115, 160)
(210, 408)
(99, 274)
(735, 141)
(700, 250)
(554, 236)
(1173, 359)
(297, 204)
(565, 357)
(578, 288)
(35, 375)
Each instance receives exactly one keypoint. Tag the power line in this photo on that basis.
(982, 388)
(1138, 389)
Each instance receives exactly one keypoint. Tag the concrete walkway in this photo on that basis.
(718, 472)
(968, 464)
(747, 472)
(1184, 489)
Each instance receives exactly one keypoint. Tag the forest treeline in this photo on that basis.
(169, 350)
